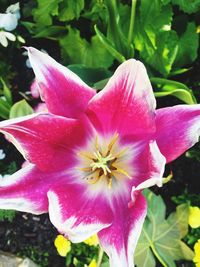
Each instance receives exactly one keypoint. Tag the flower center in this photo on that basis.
(105, 160)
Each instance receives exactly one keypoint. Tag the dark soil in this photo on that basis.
(31, 236)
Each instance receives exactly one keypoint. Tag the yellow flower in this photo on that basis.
(93, 263)
(63, 245)
(194, 217)
(92, 241)
(196, 259)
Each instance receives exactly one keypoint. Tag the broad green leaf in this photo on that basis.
(44, 12)
(107, 44)
(70, 9)
(101, 84)
(187, 46)
(153, 37)
(168, 83)
(20, 108)
(187, 253)
(105, 264)
(51, 32)
(96, 11)
(89, 75)
(181, 94)
(4, 109)
(75, 50)
(6, 92)
(161, 237)
(165, 53)
(169, 87)
(188, 6)
(30, 26)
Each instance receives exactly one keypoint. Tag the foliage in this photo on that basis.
(7, 215)
(92, 38)
(36, 255)
(162, 237)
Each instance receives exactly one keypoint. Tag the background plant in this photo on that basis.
(92, 38)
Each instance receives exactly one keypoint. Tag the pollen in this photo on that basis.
(105, 159)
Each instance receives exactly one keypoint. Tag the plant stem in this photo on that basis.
(114, 28)
(100, 257)
(131, 26)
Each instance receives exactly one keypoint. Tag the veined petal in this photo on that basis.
(126, 105)
(45, 139)
(26, 190)
(120, 239)
(63, 91)
(178, 129)
(77, 214)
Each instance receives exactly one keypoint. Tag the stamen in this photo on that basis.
(85, 155)
(121, 153)
(112, 142)
(97, 143)
(105, 165)
(123, 172)
(86, 169)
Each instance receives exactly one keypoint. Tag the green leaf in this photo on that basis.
(188, 6)
(166, 83)
(51, 32)
(187, 46)
(177, 89)
(89, 75)
(44, 12)
(75, 50)
(181, 94)
(165, 53)
(105, 264)
(70, 9)
(96, 11)
(101, 84)
(107, 44)
(4, 109)
(30, 26)
(21, 108)
(153, 37)
(161, 237)
(6, 92)
(187, 253)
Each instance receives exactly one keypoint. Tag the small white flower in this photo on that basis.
(2, 154)
(5, 36)
(9, 20)
(14, 9)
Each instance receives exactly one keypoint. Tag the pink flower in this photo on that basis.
(92, 154)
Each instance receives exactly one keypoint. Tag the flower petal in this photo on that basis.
(178, 129)
(120, 239)
(77, 214)
(45, 139)
(26, 190)
(63, 91)
(126, 105)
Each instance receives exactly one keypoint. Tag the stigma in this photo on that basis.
(105, 159)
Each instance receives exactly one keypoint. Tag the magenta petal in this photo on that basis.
(76, 213)
(63, 91)
(45, 139)
(178, 129)
(120, 239)
(26, 190)
(126, 105)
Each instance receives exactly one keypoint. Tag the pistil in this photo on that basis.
(104, 163)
